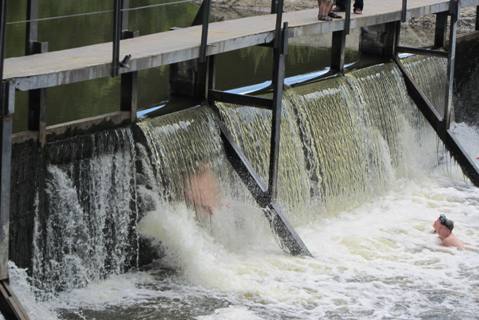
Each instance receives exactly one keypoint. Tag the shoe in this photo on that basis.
(334, 15)
(357, 11)
(324, 18)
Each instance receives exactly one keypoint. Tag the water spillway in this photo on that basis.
(356, 159)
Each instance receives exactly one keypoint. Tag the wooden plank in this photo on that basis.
(151, 51)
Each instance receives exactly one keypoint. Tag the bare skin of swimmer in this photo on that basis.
(448, 239)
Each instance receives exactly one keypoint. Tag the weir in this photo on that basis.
(39, 71)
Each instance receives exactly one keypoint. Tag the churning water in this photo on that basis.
(362, 176)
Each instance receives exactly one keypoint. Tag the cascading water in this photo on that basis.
(89, 231)
(357, 175)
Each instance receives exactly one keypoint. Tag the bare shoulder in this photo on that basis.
(453, 241)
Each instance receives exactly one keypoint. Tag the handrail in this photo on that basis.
(117, 18)
(404, 11)
(204, 29)
(347, 18)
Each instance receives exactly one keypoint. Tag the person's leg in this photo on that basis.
(358, 6)
(340, 5)
(324, 7)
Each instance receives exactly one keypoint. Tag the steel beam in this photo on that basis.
(451, 60)
(241, 99)
(6, 125)
(37, 107)
(423, 51)
(338, 51)
(10, 307)
(280, 51)
(243, 167)
(391, 40)
(205, 22)
(129, 85)
(6, 114)
(274, 6)
(289, 239)
(440, 33)
(347, 18)
(404, 11)
(338, 46)
(467, 164)
(117, 26)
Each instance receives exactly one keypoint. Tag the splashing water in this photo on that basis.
(374, 185)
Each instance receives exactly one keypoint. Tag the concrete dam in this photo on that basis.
(301, 195)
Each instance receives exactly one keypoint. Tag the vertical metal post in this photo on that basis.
(440, 33)
(391, 40)
(203, 60)
(117, 25)
(274, 6)
(404, 11)
(211, 76)
(204, 30)
(7, 103)
(280, 52)
(129, 85)
(5, 149)
(36, 98)
(347, 18)
(339, 42)
(477, 18)
(338, 51)
(451, 59)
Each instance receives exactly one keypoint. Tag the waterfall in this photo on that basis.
(89, 229)
(343, 141)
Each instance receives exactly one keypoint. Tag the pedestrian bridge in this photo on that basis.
(154, 50)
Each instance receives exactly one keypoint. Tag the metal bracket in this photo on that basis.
(240, 99)
(423, 51)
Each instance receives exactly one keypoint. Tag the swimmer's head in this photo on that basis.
(443, 220)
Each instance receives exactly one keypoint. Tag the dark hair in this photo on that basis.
(446, 222)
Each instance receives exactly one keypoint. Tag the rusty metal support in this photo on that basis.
(440, 33)
(451, 59)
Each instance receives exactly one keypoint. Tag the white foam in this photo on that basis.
(231, 313)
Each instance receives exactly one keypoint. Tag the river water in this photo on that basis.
(374, 255)
(373, 178)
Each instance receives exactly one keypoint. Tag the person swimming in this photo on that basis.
(443, 227)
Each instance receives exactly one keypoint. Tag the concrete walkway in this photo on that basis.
(154, 50)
